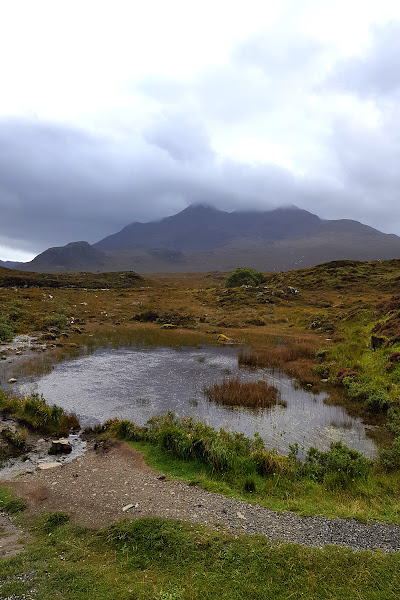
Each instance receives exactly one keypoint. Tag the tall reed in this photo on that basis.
(254, 394)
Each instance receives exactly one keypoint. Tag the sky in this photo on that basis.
(119, 111)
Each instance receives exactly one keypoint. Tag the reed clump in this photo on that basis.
(34, 412)
(234, 392)
(295, 359)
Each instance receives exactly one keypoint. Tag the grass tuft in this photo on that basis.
(253, 394)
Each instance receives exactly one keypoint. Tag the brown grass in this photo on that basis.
(254, 394)
(295, 359)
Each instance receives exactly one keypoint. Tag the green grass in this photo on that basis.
(375, 498)
(339, 482)
(37, 414)
(156, 559)
(9, 502)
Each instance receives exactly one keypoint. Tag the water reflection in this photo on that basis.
(137, 382)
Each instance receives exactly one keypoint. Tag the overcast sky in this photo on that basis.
(120, 111)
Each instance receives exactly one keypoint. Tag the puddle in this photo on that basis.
(137, 382)
(40, 455)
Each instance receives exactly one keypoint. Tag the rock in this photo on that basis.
(49, 465)
(161, 477)
(239, 514)
(129, 506)
(12, 380)
(61, 445)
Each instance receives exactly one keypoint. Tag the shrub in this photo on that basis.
(346, 374)
(270, 462)
(376, 400)
(390, 459)
(6, 331)
(58, 320)
(244, 276)
(339, 466)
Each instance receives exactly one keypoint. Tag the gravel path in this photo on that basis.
(112, 482)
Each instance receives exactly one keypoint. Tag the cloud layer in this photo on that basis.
(285, 117)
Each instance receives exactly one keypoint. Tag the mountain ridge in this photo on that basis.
(203, 238)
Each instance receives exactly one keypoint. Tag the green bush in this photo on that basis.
(271, 463)
(390, 459)
(376, 400)
(244, 276)
(338, 467)
(58, 320)
(6, 331)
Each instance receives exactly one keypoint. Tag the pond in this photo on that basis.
(136, 382)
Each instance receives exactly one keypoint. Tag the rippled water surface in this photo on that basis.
(137, 383)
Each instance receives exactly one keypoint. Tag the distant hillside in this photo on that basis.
(9, 264)
(10, 278)
(76, 256)
(201, 238)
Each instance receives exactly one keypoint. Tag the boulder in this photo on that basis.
(61, 445)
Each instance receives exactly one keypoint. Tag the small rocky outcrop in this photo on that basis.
(60, 446)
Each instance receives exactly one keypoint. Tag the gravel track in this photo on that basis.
(113, 482)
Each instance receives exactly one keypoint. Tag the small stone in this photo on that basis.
(49, 465)
(161, 477)
(129, 506)
(12, 380)
(240, 515)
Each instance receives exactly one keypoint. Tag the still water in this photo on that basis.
(136, 383)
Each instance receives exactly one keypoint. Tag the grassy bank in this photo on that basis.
(340, 482)
(34, 412)
(155, 559)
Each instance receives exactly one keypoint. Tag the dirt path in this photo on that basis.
(112, 482)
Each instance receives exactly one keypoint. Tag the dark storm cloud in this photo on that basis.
(377, 70)
(59, 184)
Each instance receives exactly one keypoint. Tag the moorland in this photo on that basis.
(336, 327)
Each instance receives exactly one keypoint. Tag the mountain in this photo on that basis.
(76, 256)
(201, 227)
(202, 238)
(9, 264)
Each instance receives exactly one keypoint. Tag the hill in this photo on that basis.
(11, 278)
(9, 264)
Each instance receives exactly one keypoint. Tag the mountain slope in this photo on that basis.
(76, 256)
(202, 227)
(9, 264)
